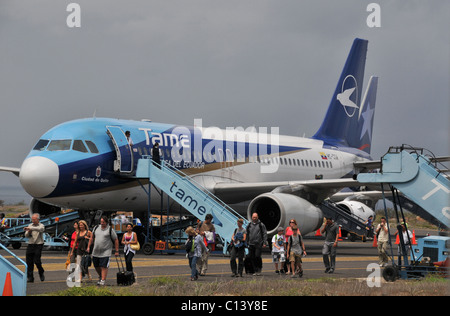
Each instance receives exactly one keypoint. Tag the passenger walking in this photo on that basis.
(73, 243)
(79, 249)
(104, 238)
(128, 239)
(207, 230)
(194, 248)
(407, 237)
(257, 239)
(3, 224)
(279, 250)
(382, 232)
(369, 227)
(238, 241)
(331, 232)
(295, 250)
(156, 154)
(35, 233)
(287, 234)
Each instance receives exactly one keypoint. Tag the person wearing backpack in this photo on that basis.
(104, 238)
(238, 241)
(257, 239)
(278, 250)
(194, 248)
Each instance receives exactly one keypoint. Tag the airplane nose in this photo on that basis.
(39, 176)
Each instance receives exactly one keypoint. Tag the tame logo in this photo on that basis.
(187, 200)
(166, 139)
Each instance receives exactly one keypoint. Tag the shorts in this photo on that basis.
(295, 258)
(278, 257)
(100, 262)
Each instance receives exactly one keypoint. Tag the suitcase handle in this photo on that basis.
(123, 268)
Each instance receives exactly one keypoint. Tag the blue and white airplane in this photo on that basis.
(89, 164)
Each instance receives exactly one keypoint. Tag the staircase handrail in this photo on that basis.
(192, 182)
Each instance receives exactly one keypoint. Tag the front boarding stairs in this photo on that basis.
(193, 197)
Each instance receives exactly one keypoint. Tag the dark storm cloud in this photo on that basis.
(231, 63)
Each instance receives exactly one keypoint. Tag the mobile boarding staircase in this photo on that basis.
(13, 281)
(417, 178)
(196, 199)
(348, 222)
(14, 235)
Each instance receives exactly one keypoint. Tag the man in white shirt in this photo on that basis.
(382, 232)
(35, 233)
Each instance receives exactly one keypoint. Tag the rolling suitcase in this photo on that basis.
(248, 266)
(124, 277)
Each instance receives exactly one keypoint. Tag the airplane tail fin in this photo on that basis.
(348, 121)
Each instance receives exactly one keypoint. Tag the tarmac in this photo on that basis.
(352, 261)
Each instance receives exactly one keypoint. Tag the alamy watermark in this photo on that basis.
(374, 278)
(194, 147)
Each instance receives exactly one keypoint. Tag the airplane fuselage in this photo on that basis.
(77, 165)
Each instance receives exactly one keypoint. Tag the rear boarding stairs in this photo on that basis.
(407, 170)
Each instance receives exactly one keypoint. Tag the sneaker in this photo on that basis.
(101, 283)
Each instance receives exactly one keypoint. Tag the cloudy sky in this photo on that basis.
(233, 63)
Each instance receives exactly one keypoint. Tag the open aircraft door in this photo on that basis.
(124, 162)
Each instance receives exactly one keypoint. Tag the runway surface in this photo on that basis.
(353, 259)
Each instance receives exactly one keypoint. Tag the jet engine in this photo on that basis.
(357, 209)
(277, 209)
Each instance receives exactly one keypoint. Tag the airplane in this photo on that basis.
(88, 164)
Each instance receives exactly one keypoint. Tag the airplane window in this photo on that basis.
(56, 145)
(303, 163)
(79, 146)
(41, 144)
(315, 165)
(92, 147)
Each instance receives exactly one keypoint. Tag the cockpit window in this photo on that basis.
(56, 145)
(79, 146)
(41, 144)
(92, 147)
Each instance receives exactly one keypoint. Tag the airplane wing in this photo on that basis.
(376, 164)
(231, 192)
(16, 171)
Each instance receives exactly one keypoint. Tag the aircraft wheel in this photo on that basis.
(148, 248)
